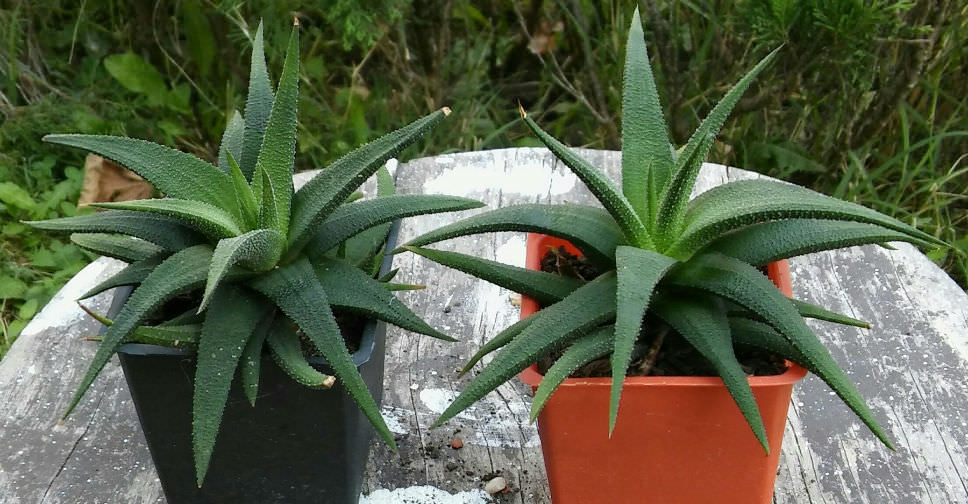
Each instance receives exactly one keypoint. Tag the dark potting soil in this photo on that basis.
(660, 350)
(350, 325)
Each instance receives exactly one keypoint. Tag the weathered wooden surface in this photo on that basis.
(912, 367)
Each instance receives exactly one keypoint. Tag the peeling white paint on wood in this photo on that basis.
(912, 366)
(516, 171)
(424, 494)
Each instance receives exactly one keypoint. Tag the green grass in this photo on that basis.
(866, 100)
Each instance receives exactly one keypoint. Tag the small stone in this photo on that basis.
(447, 309)
(451, 466)
(457, 444)
(468, 473)
(515, 299)
(496, 485)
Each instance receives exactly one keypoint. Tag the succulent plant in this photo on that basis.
(254, 249)
(693, 266)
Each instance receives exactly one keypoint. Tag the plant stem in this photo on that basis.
(650, 357)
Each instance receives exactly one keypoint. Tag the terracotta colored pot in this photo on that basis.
(678, 440)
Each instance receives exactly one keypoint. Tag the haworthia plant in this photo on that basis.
(692, 265)
(252, 250)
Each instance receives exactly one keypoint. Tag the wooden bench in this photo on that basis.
(912, 367)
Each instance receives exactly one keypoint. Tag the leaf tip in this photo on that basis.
(446, 111)
(524, 113)
(295, 21)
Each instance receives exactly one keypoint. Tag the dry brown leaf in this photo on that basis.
(107, 181)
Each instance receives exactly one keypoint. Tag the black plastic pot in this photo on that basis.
(296, 445)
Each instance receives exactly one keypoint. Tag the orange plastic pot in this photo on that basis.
(678, 440)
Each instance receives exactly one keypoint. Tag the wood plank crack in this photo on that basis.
(74, 446)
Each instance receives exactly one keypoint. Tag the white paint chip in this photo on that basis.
(424, 495)
(394, 418)
(437, 400)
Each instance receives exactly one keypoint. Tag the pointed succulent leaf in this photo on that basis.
(546, 288)
(296, 290)
(257, 106)
(676, 195)
(268, 218)
(738, 204)
(599, 184)
(288, 353)
(213, 221)
(231, 141)
(745, 285)
(179, 273)
(257, 250)
(248, 205)
(766, 242)
(349, 220)
(590, 229)
(132, 274)
(314, 202)
(503, 338)
(702, 322)
(355, 195)
(136, 272)
(588, 307)
(646, 154)
(350, 289)
(760, 335)
(186, 317)
(166, 232)
(227, 328)
(668, 219)
(177, 174)
(277, 155)
(638, 272)
(817, 312)
(586, 349)
(175, 336)
(125, 248)
(365, 249)
(390, 275)
(384, 182)
(184, 336)
(753, 333)
(394, 287)
(251, 362)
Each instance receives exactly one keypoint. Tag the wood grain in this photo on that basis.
(912, 367)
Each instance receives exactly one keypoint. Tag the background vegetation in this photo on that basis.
(867, 102)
